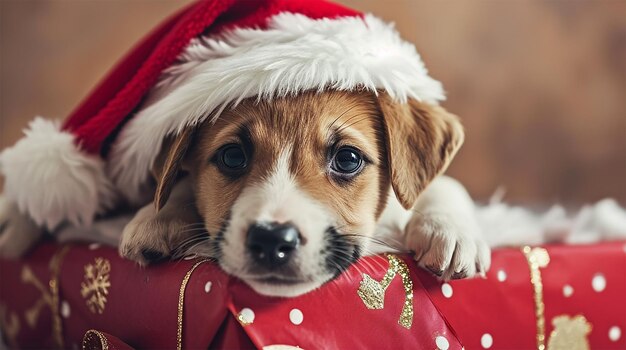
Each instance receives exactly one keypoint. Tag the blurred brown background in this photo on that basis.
(541, 86)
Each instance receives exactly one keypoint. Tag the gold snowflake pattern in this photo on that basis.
(95, 287)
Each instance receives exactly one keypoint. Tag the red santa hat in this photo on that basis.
(205, 58)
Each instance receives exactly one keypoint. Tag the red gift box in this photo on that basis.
(559, 297)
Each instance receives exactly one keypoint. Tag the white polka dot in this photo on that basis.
(501, 275)
(615, 333)
(568, 291)
(280, 347)
(598, 282)
(94, 246)
(442, 343)
(207, 287)
(65, 309)
(446, 290)
(296, 317)
(247, 315)
(486, 341)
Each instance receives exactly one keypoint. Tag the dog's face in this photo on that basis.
(290, 190)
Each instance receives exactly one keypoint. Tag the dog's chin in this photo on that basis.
(275, 285)
(282, 288)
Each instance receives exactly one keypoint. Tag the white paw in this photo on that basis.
(447, 245)
(148, 238)
(18, 233)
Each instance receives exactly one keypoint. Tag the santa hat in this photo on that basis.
(205, 58)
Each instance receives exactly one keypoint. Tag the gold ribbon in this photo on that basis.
(372, 292)
(181, 304)
(570, 333)
(538, 258)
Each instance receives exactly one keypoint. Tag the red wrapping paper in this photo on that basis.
(140, 305)
(134, 307)
(502, 304)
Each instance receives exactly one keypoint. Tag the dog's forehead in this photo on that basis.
(311, 119)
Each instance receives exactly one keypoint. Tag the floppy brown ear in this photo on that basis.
(422, 139)
(168, 164)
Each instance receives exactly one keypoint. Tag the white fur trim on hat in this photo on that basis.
(51, 180)
(293, 54)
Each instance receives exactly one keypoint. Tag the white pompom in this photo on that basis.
(52, 180)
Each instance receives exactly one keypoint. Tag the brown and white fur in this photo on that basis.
(399, 198)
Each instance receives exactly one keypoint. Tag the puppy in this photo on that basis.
(288, 193)
(295, 137)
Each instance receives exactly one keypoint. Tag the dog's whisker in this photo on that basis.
(191, 230)
(200, 235)
(185, 244)
(194, 224)
(354, 123)
(346, 122)
(202, 248)
(341, 115)
(342, 260)
(374, 265)
(197, 247)
(377, 241)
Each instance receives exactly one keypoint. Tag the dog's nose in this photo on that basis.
(272, 244)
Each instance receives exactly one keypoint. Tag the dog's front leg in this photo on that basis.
(444, 233)
(153, 236)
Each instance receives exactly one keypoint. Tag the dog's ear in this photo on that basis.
(421, 140)
(168, 164)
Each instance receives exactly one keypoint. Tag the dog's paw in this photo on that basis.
(448, 247)
(18, 233)
(148, 238)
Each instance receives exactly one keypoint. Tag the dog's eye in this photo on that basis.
(347, 160)
(232, 157)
